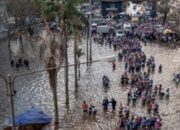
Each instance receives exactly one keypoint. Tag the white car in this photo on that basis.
(127, 27)
(120, 33)
(94, 25)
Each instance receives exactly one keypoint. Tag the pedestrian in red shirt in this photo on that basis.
(85, 107)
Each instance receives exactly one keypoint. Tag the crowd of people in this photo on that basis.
(130, 121)
(138, 69)
(152, 30)
(91, 110)
(19, 63)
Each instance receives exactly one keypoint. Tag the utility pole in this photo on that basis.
(90, 30)
(11, 95)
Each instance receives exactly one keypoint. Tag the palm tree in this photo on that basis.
(51, 51)
(66, 12)
(64, 24)
(49, 54)
(75, 57)
(78, 24)
(68, 15)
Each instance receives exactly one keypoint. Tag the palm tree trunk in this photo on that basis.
(90, 31)
(9, 48)
(87, 46)
(66, 72)
(79, 71)
(75, 61)
(56, 116)
(53, 84)
(21, 43)
(90, 42)
(164, 18)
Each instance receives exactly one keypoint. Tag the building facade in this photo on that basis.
(151, 8)
(109, 7)
(115, 6)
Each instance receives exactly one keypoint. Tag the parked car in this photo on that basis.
(120, 33)
(127, 27)
(94, 25)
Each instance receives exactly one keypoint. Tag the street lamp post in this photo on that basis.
(11, 95)
(10, 80)
(10, 92)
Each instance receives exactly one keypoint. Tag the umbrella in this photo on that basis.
(32, 116)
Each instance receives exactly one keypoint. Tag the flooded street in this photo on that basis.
(34, 90)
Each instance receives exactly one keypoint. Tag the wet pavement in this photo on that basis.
(34, 90)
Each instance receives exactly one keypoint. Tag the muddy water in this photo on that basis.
(35, 91)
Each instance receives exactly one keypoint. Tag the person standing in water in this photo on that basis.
(113, 101)
(85, 107)
(105, 104)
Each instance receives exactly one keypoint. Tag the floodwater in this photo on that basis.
(34, 90)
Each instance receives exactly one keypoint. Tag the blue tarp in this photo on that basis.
(33, 116)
